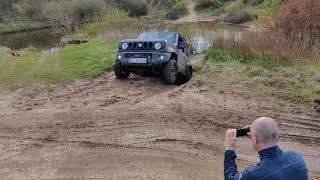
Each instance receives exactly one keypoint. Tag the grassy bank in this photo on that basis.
(34, 67)
(31, 66)
(285, 80)
(20, 26)
(237, 11)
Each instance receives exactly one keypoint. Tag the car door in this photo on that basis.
(183, 54)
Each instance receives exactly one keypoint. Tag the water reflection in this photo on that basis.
(202, 35)
(51, 50)
(41, 39)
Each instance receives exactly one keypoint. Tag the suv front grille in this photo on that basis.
(148, 56)
(140, 45)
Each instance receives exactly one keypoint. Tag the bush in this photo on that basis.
(172, 15)
(87, 10)
(66, 16)
(205, 4)
(238, 17)
(299, 21)
(177, 10)
(134, 7)
(255, 2)
(29, 8)
(270, 4)
(234, 6)
(5, 10)
(112, 21)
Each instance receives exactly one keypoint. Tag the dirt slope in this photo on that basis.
(104, 128)
(194, 16)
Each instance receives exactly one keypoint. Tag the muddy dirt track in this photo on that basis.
(140, 128)
(194, 16)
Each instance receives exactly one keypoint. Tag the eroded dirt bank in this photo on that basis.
(138, 129)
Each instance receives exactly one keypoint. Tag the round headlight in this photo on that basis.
(124, 45)
(157, 45)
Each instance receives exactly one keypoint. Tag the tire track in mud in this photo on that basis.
(145, 91)
(105, 90)
(191, 119)
(114, 145)
(193, 145)
(303, 128)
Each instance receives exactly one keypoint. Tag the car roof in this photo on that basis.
(166, 32)
(159, 32)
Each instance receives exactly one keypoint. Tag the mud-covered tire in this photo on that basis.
(184, 78)
(189, 74)
(170, 72)
(120, 72)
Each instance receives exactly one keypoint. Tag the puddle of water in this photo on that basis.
(200, 35)
(51, 50)
(41, 39)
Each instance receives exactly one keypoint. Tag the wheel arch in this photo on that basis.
(174, 56)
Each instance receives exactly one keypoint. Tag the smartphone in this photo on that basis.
(242, 132)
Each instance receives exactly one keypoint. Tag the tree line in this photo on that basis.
(67, 15)
(85, 9)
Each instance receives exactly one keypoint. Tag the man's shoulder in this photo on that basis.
(293, 154)
(295, 159)
(252, 172)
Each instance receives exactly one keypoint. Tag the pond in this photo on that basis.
(201, 35)
(41, 39)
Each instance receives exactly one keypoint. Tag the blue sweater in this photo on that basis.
(274, 165)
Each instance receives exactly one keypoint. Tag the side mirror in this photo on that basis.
(182, 45)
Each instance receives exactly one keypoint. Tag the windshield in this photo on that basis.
(171, 37)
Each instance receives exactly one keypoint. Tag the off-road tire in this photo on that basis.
(120, 72)
(189, 74)
(184, 78)
(170, 72)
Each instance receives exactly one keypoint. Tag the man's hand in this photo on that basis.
(230, 139)
(249, 133)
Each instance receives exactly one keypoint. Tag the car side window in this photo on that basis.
(184, 50)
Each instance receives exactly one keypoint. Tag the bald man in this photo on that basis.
(274, 164)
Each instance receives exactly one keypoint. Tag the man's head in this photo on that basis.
(264, 133)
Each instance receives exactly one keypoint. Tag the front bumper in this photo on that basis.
(153, 58)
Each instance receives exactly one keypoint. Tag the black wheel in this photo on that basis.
(120, 72)
(189, 74)
(184, 78)
(170, 72)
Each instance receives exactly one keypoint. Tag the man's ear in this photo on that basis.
(255, 139)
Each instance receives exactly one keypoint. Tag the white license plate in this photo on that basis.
(137, 60)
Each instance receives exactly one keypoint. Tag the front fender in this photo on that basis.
(171, 50)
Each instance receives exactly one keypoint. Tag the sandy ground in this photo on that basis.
(140, 128)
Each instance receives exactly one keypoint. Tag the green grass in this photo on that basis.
(20, 26)
(113, 20)
(71, 62)
(264, 61)
(276, 78)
